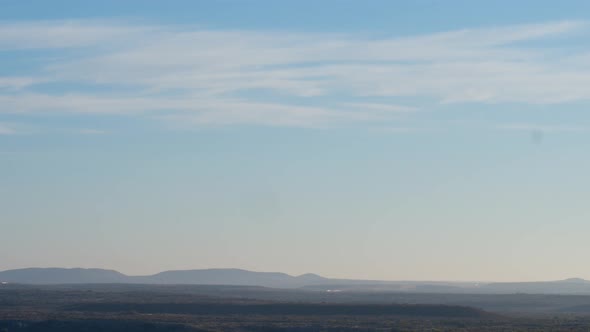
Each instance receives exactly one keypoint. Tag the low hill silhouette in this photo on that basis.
(201, 277)
(309, 281)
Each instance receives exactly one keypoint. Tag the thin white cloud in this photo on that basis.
(89, 131)
(27, 103)
(380, 107)
(443, 65)
(253, 113)
(399, 130)
(18, 82)
(6, 129)
(194, 110)
(67, 34)
(215, 77)
(533, 127)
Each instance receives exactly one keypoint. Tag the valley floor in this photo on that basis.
(145, 308)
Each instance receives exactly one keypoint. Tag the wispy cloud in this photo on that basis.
(217, 77)
(6, 129)
(533, 127)
(379, 107)
(18, 82)
(89, 131)
(68, 34)
(400, 130)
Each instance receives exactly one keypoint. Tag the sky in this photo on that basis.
(398, 140)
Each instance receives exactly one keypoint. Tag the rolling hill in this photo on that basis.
(311, 282)
(201, 277)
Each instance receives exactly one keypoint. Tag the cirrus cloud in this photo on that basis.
(223, 77)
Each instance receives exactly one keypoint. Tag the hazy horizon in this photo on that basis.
(282, 272)
(386, 140)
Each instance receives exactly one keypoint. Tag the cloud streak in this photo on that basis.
(6, 129)
(532, 127)
(216, 77)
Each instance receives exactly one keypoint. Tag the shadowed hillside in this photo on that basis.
(312, 282)
(62, 276)
(284, 309)
(202, 277)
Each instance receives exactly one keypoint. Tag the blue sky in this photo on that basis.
(377, 139)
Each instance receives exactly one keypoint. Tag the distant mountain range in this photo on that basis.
(196, 277)
(311, 282)
(567, 286)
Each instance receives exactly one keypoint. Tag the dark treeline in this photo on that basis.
(90, 325)
(284, 309)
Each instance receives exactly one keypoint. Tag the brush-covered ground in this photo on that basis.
(216, 308)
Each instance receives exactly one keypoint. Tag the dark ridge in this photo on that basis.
(422, 310)
(576, 280)
(309, 281)
(240, 277)
(92, 325)
(61, 276)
